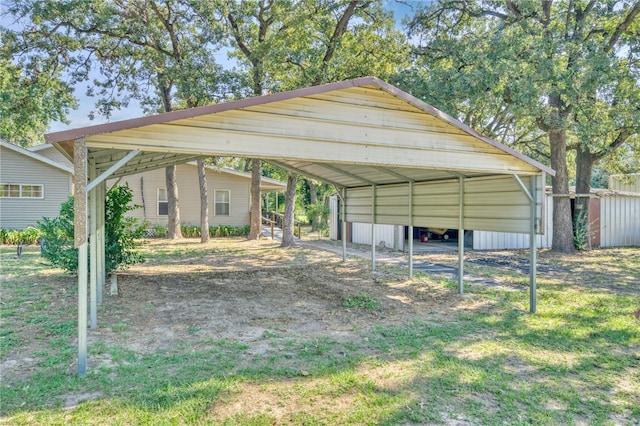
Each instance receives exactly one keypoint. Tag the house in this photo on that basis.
(31, 186)
(229, 192)
(629, 183)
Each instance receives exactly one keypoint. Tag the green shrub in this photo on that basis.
(157, 231)
(121, 233)
(229, 231)
(29, 235)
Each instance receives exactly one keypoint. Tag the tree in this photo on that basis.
(542, 63)
(285, 45)
(150, 51)
(32, 94)
(204, 203)
(288, 223)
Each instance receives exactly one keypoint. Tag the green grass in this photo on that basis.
(577, 361)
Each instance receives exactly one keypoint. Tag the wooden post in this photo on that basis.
(299, 232)
(80, 242)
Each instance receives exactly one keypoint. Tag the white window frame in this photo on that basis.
(21, 192)
(215, 202)
(158, 201)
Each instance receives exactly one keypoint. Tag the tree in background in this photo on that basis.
(150, 51)
(563, 70)
(30, 100)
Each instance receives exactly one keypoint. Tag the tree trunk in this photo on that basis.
(256, 198)
(313, 200)
(174, 231)
(289, 210)
(562, 223)
(581, 218)
(204, 203)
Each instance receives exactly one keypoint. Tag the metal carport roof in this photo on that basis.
(395, 159)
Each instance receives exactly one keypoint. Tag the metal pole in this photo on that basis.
(461, 236)
(93, 249)
(344, 224)
(410, 230)
(102, 274)
(532, 247)
(373, 227)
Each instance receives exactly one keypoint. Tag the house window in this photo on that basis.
(13, 190)
(222, 202)
(163, 203)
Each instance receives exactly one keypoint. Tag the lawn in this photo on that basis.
(236, 332)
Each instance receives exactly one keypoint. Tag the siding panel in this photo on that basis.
(20, 213)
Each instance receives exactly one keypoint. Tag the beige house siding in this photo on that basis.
(19, 213)
(49, 151)
(145, 188)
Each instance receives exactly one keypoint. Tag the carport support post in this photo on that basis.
(93, 247)
(80, 242)
(344, 224)
(410, 230)
(373, 227)
(102, 274)
(461, 236)
(532, 247)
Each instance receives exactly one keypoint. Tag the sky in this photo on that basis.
(80, 116)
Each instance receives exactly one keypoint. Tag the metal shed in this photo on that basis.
(393, 158)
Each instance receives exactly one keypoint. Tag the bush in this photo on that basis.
(29, 235)
(121, 234)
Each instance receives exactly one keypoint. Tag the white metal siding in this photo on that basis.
(620, 221)
(391, 235)
(484, 240)
(490, 204)
(18, 213)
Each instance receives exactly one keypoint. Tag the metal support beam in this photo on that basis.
(105, 175)
(93, 249)
(344, 224)
(102, 275)
(392, 173)
(524, 187)
(410, 230)
(299, 171)
(80, 242)
(461, 236)
(532, 248)
(345, 173)
(373, 227)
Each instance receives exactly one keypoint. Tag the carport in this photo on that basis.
(393, 158)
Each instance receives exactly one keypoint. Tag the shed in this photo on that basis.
(393, 158)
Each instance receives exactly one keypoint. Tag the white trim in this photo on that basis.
(158, 201)
(246, 175)
(20, 196)
(215, 201)
(35, 156)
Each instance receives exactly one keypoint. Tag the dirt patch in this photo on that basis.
(245, 292)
